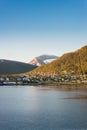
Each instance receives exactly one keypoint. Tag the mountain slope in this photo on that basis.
(43, 59)
(74, 62)
(14, 67)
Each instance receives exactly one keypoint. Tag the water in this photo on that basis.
(42, 108)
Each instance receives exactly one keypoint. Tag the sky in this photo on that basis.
(29, 28)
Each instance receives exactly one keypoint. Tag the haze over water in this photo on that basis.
(42, 108)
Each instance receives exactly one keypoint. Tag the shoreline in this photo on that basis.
(69, 85)
(50, 84)
(63, 83)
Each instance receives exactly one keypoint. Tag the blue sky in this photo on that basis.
(29, 28)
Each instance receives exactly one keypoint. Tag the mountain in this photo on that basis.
(14, 67)
(43, 59)
(69, 63)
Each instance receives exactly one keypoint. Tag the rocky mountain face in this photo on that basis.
(69, 63)
(14, 67)
(43, 59)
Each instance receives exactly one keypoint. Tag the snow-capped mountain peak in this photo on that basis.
(43, 59)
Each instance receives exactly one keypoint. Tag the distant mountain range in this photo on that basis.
(43, 59)
(14, 67)
(69, 63)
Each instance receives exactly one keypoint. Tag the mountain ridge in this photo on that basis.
(69, 63)
(14, 67)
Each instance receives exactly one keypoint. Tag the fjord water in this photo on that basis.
(42, 108)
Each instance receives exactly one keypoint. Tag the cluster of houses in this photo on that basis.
(41, 78)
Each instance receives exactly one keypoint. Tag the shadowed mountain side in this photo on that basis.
(14, 67)
(73, 62)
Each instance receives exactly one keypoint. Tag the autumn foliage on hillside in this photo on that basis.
(74, 62)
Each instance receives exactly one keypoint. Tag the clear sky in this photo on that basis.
(29, 28)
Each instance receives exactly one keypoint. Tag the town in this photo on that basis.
(24, 79)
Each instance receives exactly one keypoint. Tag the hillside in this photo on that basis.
(43, 59)
(74, 62)
(14, 67)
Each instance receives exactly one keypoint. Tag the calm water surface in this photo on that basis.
(42, 108)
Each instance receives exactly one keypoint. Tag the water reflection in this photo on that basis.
(42, 108)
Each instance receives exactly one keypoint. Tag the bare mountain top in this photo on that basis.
(43, 59)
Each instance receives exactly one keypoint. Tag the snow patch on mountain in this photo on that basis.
(48, 61)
